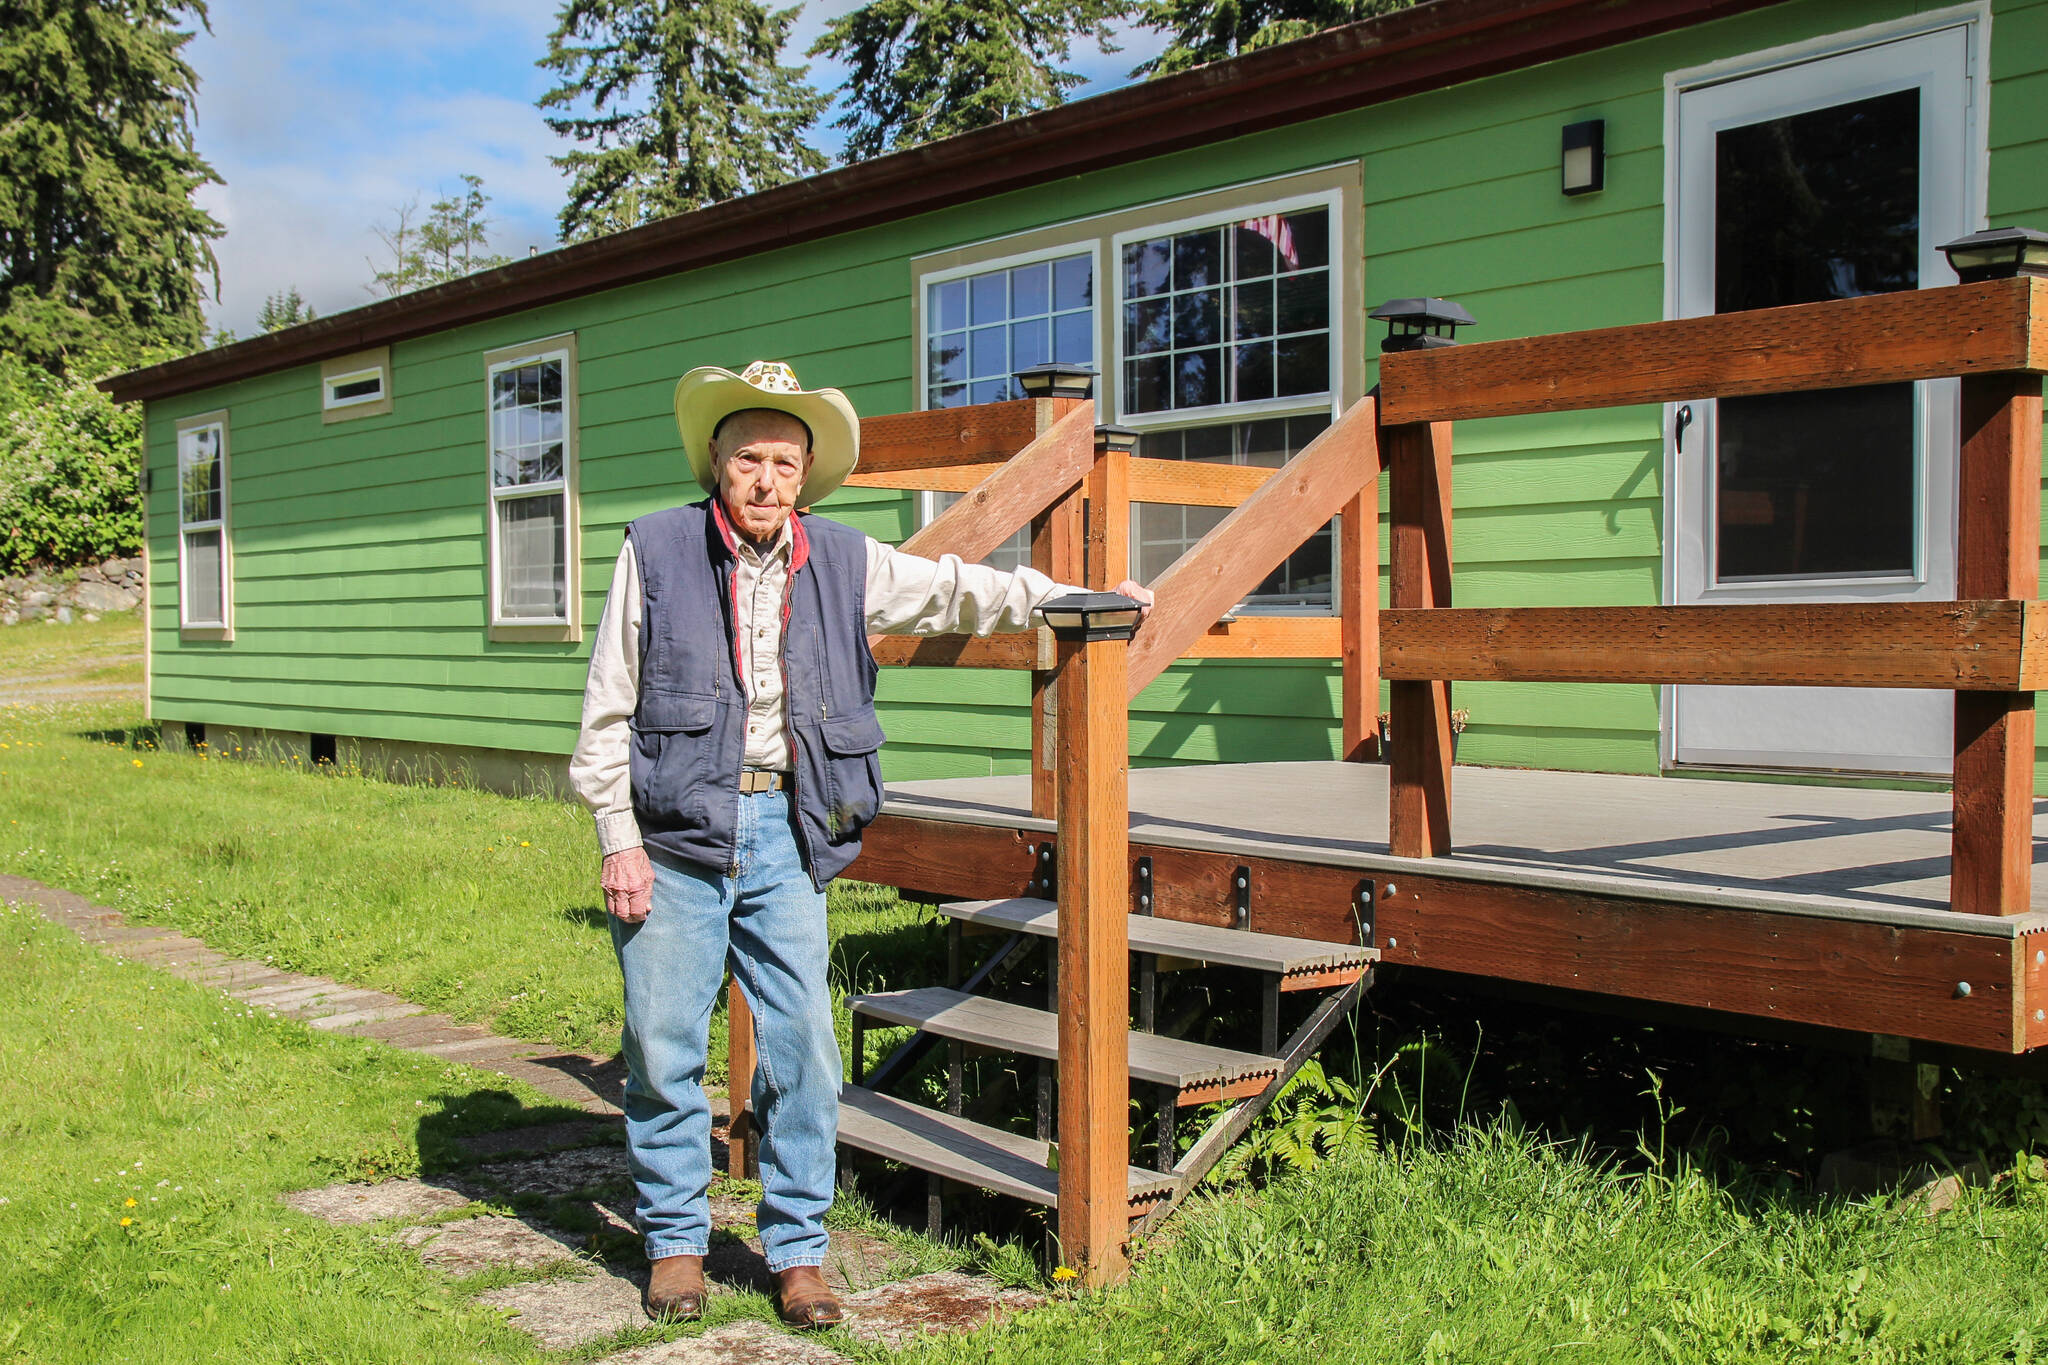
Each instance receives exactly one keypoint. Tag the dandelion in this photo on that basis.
(526, 843)
(136, 761)
(1065, 1273)
(126, 1222)
(128, 1203)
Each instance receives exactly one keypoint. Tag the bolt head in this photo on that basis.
(1390, 888)
(1962, 990)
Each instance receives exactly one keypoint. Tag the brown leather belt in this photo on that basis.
(761, 780)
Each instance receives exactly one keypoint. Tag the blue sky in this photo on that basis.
(323, 115)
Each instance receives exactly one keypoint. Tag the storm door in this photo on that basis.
(1828, 179)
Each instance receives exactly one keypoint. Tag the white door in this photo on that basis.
(1830, 178)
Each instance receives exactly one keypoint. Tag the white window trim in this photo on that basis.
(1293, 404)
(189, 629)
(346, 368)
(568, 628)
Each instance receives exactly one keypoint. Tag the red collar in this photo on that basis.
(799, 539)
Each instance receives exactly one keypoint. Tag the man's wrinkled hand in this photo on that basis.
(628, 883)
(1138, 593)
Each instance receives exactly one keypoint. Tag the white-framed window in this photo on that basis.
(205, 591)
(356, 385)
(1225, 325)
(531, 439)
(984, 323)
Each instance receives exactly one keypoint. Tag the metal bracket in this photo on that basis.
(1241, 888)
(1362, 905)
(1042, 869)
(1141, 887)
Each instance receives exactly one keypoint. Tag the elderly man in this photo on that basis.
(728, 754)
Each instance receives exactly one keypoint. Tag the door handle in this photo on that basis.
(1680, 420)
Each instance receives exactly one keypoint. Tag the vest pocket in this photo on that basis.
(672, 744)
(853, 773)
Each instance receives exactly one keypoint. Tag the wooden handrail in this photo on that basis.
(1994, 326)
(1185, 484)
(1033, 479)
(1254, 540)
(987, 433)
(1986, 646)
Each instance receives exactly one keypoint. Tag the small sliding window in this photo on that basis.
(356, 385)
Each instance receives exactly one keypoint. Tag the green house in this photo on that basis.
(392, 528)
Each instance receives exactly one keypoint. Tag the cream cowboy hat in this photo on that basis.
(708, 395)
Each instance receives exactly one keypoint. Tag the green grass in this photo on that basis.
(1497, 1247)
(111, 645)
(124, 1084)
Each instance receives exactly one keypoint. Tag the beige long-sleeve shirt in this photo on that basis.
(906, 594)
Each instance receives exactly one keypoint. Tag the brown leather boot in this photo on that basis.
(676, 1289)
(804, 1299)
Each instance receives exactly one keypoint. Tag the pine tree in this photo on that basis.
(284, 309)
(452, 239)
(688, 104)
(100, 242)
(918, 70)
(1211, 30)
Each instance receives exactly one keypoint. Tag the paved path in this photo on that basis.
(591, 1083)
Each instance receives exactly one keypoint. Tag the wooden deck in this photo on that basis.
(1823, 905)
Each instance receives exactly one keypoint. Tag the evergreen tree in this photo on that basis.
(687, 101)
(401, 239)
(100, 242)
(452, 240)
(284, 309)
(918, 70)
(1211, 30)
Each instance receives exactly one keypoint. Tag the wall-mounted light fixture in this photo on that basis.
(1998, 254)
(1585, 156)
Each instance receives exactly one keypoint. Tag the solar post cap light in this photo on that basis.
(1116, 438)
(1081, 616)
(1998, 254)
(1057, 380)
(1418, 324)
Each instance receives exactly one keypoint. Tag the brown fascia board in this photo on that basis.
(1435, 44)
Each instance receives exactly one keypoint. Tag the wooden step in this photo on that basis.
(968, 1152)
(1306, 959)
(1200, 1073)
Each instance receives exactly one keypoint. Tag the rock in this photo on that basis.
(63, 616)
(38, 597)
(561, 1314)
(945, 1302)
(591, 1169)
(92, 616)
(372, 1203)
(1936, 1197)
(471, 1245)
(104, 597)
(750, 1342)
(10, 618)
(116, 569)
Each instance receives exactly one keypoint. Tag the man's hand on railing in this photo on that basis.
(1138, 593)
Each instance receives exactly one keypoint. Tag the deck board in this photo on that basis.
(1844, 852)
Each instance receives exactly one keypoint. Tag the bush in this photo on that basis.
(68, 461)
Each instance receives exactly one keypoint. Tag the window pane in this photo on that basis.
(1305, 302)
(1145, 267)
(529, 385)
(1197, 319)
(986, 355)
(551, 382)
(1815, 484)
(1254, 309)
(370, 386)
(949, 396)
(1073, 339)
(988, 298)
(1148, 326)
(1254, 242)
(1198, 259)
(532, 558)
(948, 306)
(1031, 290)
(1073, 282)
(1148, 384)
(1303, 240)
(504, 389)
(1304, 365)
(989, 391)
(203, 595)
(199, 474)
(1197, 378)
(1030, 344)
(948, 358)
(1254, 371)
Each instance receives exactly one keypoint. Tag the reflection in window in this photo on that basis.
(1161, 534)
(201, 526)
(982, 329)
(1235, 313)
(529, 489)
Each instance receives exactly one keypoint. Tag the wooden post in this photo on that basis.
(1997, 556)
(1109, 516)
(742, 1157)
(1057, 551)
(1094, 958)
(1418, 463)
(1358, 604)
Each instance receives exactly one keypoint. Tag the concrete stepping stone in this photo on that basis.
(357, 1203)
(736, 1343)
(470, 1245)
(947, 1301)
(564, 1313)
(556, 1173)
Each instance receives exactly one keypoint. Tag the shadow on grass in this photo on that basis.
(148, 735)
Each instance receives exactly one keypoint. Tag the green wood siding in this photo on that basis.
(360, 551)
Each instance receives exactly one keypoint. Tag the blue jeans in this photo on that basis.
(768, 921)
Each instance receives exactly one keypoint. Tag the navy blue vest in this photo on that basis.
(690, 728)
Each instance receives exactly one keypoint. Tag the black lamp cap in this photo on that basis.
(1092, 608)
(1060, 377)
(1414, 324)
(1116, 438)
(1998, 253)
